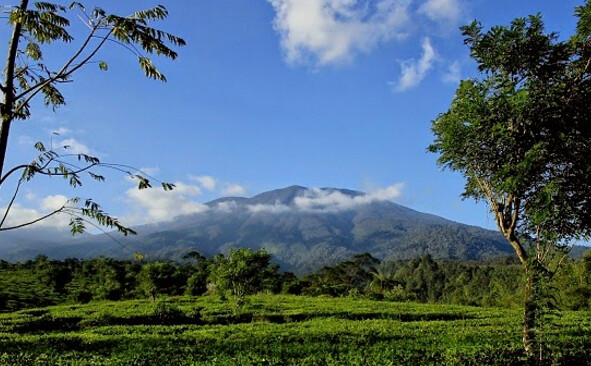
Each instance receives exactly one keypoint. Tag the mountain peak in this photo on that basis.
(305, 228)
(286, 196)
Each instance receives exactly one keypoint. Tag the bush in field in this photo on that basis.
(290, 284)
(166, 313)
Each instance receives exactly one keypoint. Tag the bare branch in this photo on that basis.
(18, 186)
(11, 171)
(131, 48)
(34, 221)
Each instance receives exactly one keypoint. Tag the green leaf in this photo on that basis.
(167, 186)
(149, 69)
(39, 146)
(33, 51)
(143, 182)
(76, 4)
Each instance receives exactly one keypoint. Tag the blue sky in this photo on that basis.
(271, 93)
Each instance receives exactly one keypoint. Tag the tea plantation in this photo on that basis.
(280, 330)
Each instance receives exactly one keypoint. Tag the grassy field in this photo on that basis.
(279, 330)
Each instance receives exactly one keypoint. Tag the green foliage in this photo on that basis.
(37, 25)
(160, 278)
(48, 23)
(348, 277)
(422, 279)
(284, 329)
(198, 272)
(279, 330)
(520, 134)
(243, 272)
(496, 283)
(167, 313)
(520, 137)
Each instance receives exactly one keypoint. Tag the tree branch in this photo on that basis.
(18, 186)
(34, 221)
(59, 74)
(100, 229)
(71, 172)
(11, 171)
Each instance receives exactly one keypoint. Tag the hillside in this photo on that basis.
(304, 228)
(278, 330)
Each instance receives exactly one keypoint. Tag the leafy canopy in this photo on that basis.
(521, 134)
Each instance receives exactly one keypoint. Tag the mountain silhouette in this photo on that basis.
(305, 228)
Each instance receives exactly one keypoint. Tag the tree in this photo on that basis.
(198, 272)
(350, 277)
(28, 76)
(52, 274)
(160, 278)
(243, 272)
(521, 137)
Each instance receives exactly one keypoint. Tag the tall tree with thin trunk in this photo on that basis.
(521, 136)
(27, 75)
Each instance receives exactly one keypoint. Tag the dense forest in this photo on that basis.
(497, 282)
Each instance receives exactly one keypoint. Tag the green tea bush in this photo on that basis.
(166, 313)
(280, 330)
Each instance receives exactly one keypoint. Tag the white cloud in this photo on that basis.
(19, 214)
(453, 74)
(206, 181)
(52, 203)
(227, 206)
(275, 208)
(155, 204)
(332, 31)
(61, 131)
(321, 200)
(414, 71)
(447, 12)
(74, 146)
(233, 190)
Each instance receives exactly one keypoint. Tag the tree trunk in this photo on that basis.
(4, 132)
(507, 223)
(529, 315)
(7, 109)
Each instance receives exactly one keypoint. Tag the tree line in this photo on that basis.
(498, 282)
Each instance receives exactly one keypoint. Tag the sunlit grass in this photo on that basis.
(278, 330)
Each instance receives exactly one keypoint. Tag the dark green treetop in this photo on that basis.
(521, 134)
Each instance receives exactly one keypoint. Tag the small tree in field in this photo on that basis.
(521, 137)
(243, 272)
(27, 76)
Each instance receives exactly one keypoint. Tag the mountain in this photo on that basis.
(304, 228)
